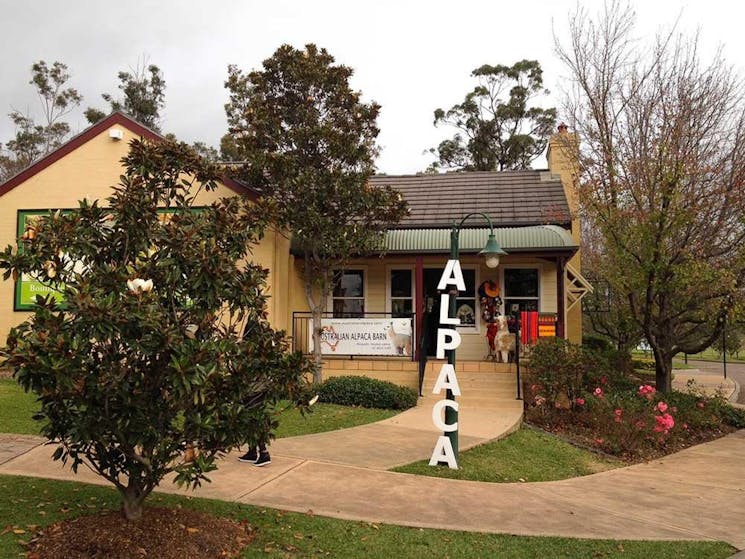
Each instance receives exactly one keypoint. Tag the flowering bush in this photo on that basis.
(635, 422)
(564, 371)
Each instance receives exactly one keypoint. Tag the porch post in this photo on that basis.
(419, 303)
(560, 297)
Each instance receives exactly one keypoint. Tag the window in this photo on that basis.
(465, 303)
(521, 289)
(402, 293)
(349, 295)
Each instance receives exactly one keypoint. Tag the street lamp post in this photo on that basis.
(491, 252)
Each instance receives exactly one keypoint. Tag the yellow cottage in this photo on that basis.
(532, 212)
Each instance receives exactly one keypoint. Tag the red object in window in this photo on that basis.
(529, 327)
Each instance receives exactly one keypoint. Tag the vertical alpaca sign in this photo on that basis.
(448, 338)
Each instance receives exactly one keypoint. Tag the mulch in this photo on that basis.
(162, 533)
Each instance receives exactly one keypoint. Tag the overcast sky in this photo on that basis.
(411, 57)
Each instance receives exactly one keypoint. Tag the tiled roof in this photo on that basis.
(509, 198)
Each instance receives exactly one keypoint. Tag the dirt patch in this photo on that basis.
(162, 533)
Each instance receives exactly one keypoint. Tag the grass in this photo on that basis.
(710, 354)
(38, 502)
(526, 455)
(16, 409)
(327, 417)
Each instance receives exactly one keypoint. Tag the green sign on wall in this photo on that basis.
(27, 286)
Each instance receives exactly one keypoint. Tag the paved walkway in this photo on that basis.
(695, 494)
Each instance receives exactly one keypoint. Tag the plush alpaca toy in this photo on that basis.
(504, 342)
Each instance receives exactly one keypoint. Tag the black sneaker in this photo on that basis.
(263, 460)
(251, 456)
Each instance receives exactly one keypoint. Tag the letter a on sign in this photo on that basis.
(447, 380)
(443, 452)
(452, 275)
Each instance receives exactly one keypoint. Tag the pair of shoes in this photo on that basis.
(251, 456)
(263, 459)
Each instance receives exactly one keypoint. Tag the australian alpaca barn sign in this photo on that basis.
(448, 338)
(365, 336)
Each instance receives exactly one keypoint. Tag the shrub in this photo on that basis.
(643, 364)
(367, 393)
(564, 371)
(597, 343)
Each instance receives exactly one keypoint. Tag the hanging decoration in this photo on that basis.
(491, 306)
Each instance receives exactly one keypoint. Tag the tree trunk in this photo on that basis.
(133, 498)
(663, 365)
(317, 355)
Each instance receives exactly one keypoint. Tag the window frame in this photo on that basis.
(365, 290)
(539, 274)
(388, 291)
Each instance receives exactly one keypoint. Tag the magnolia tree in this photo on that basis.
(309, 144)
(160, 358)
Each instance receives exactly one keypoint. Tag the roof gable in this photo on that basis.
(115, 118)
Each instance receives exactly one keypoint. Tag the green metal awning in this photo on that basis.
(537, 238)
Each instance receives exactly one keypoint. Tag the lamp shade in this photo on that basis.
(492, 251)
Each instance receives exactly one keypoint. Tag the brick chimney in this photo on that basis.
(563, 160)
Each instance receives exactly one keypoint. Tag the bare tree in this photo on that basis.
(662, 166)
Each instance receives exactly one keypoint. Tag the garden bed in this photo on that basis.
(591, 400)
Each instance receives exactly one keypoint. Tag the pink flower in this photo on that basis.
(618, 414)
(700, 405)
(599, 441)
(685, 426)
(598, 392)
(646, 391)
(579, 401)
(661, 407)
(539, 400)
(603, 380)
(665, 422)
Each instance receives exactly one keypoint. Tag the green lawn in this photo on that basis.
(327, 417)
(16, 409)
(712, 355)
(38, 502)
(526, 455)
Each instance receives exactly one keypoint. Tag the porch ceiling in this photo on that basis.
(537, 238)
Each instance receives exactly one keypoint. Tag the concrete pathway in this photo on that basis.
(709, 381)
(696, 494)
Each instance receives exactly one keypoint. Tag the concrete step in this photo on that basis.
(467, 379)
(478, 367)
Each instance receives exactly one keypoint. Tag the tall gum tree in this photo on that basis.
(662, 162)
(32, 140)
(309, 144)
(498, 129)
